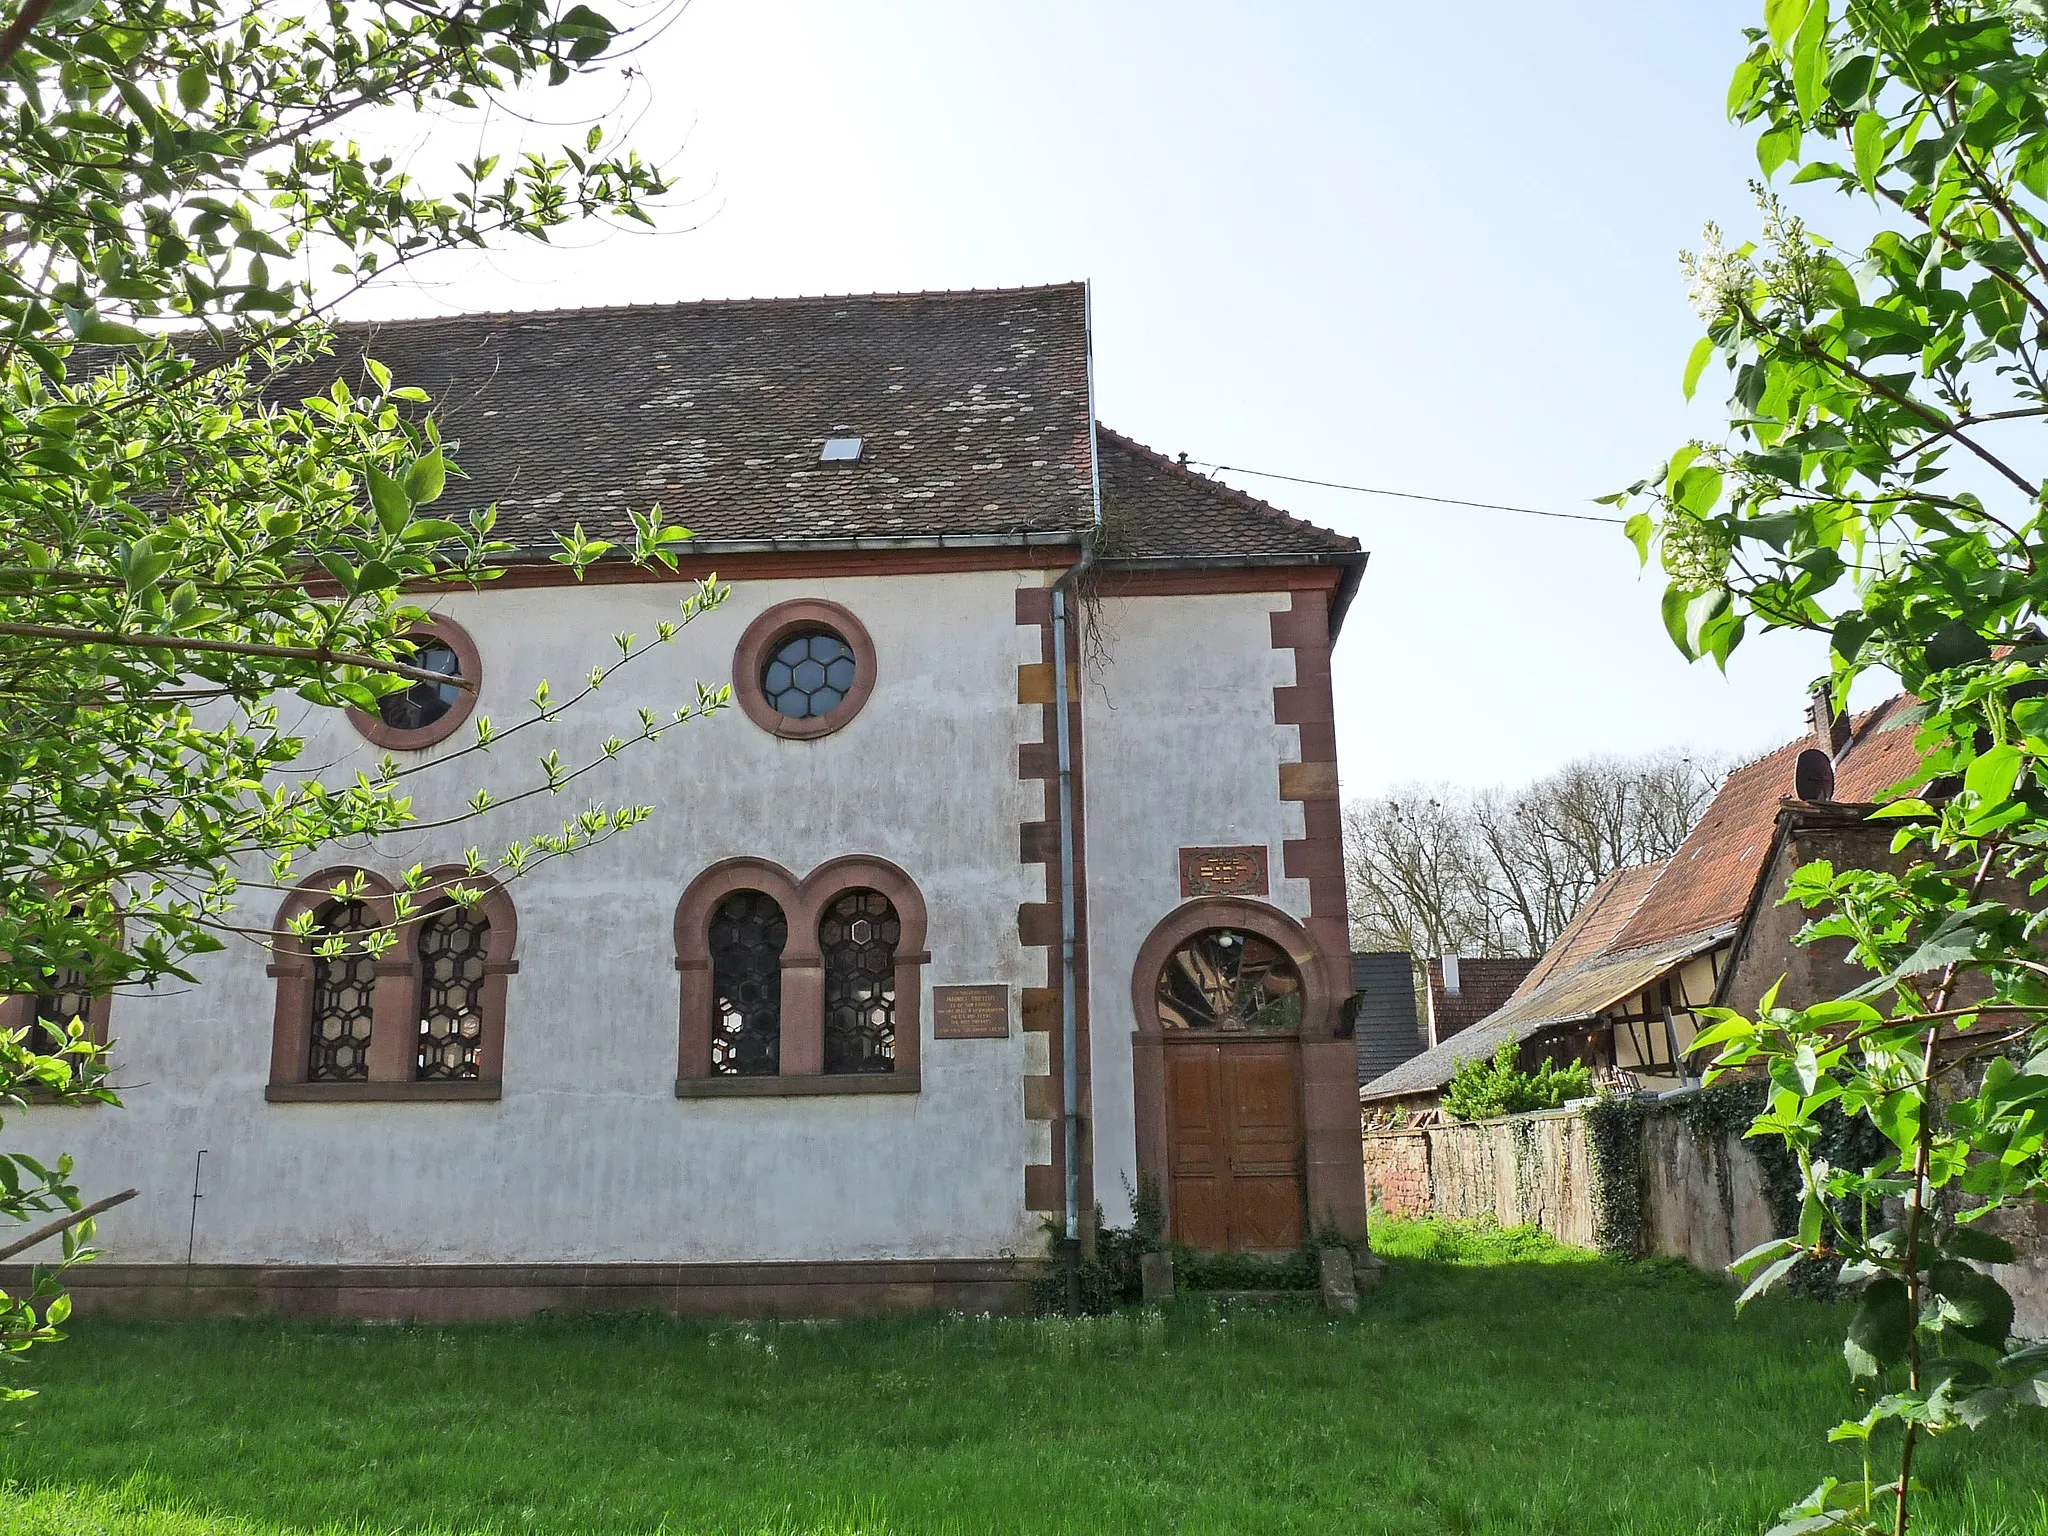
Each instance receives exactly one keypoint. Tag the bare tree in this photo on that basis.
(1413, 874)
(1437, 870)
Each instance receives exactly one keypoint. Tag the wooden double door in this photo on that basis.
(1235, 1153)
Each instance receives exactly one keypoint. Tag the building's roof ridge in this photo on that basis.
(759, 301)
(1211, 486)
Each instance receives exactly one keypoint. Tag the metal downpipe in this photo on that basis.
(1069, 1031)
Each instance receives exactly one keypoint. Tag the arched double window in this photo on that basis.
(422, 1019)
(64, 998)
(807, 986)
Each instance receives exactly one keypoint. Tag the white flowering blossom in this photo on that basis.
(1717, 280)
(1792, 264)
(1695, 552)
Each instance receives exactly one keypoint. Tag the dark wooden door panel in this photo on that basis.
(1234, 1143)
(1201, 1211)
(1265, 1213)
(1264, 1108)
(1198, 1149)
(1194, 1111)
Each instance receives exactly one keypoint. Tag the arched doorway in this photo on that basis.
(1235, 1021)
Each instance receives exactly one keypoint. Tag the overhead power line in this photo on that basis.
(1373, 490)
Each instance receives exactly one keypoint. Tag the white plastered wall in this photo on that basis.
(589, 1156)
(1181, 751)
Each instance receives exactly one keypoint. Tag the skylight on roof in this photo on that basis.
(840, 450)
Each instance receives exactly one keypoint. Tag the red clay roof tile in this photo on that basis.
(1483, 985)
(1710, 879)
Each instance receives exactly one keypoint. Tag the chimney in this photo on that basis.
(1830, 730)
(1450, 975)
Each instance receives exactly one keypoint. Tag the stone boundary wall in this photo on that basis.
(1703, 1200)
(1522, 1170)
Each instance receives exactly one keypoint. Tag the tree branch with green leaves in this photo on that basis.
(1880, 481)
(201, 518)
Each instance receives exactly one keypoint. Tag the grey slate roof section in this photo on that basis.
(1385, 1024)
(973, 409)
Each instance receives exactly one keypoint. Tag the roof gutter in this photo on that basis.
(1349, 563)
(1060, 539)
(1341, 558)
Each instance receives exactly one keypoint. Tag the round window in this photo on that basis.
(419, 706)
(425, 711)
(803, 669)
(1226, 978)
(809, 674)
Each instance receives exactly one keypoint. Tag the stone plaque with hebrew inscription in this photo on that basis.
(1237, 871)
(970, 1013)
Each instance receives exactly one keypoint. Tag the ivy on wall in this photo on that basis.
(1614, 1147)
(1712, 1116)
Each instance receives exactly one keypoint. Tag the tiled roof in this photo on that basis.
(1640, 922)
(1880, 752)
(1566, 998)
(1483, 985)
(1709, 880)
(973, 409)
(1152, 507)
(1597, 923)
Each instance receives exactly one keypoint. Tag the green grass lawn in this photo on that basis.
(1492, 1384)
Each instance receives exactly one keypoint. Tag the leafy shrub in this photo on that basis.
(1114, 1277)
(1245, 1271)
(1483, 1088)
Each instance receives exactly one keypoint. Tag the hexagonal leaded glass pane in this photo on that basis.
(414, 708)
(1225, 978)
(342, 986)
(64, 998)
(748, 932)
(454, 946)
(808, 674)
(858, 936)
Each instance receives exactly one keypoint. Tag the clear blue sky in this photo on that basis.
(1424, 247)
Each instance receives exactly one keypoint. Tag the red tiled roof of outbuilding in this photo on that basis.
(1483, 985)
(1710, 879)
(1596, 925)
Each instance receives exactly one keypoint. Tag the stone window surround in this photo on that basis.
(803, 903)
(469, 663)
(394, 1029)
(768, 630)
(17, 1012)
